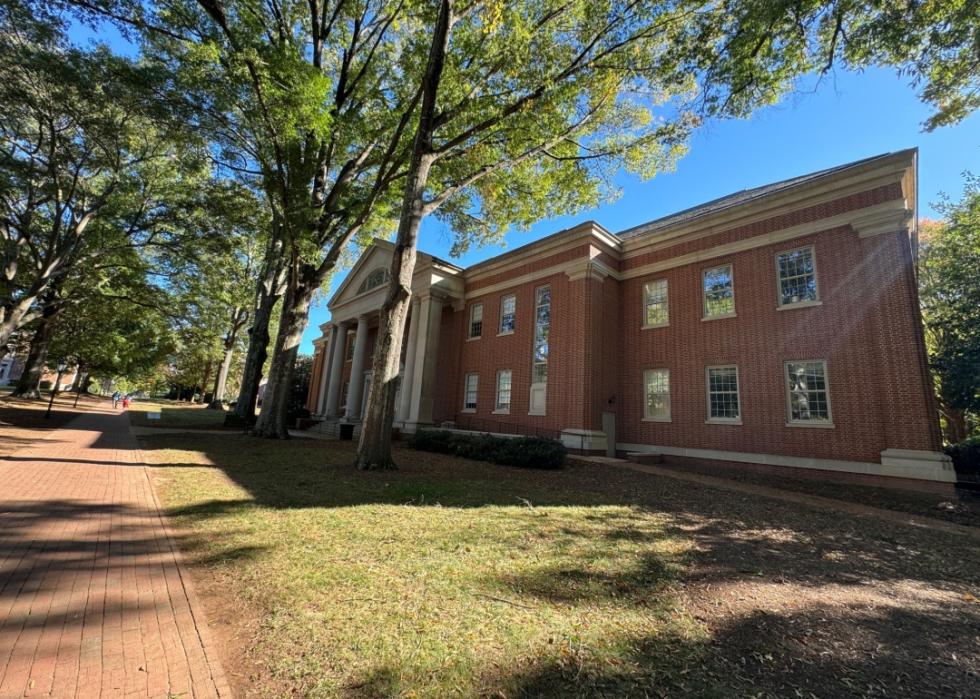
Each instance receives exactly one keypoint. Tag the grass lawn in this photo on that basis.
(175, 414)
(491, 582)
(457, 578)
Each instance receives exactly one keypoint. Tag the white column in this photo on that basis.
(426, 362)
(357, 371)
(321, 405)
(336, 369)
(408, 373)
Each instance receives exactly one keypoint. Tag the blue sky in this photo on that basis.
(847, 117)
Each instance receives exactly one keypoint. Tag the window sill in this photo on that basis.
(501, 412)
(719, 317)
(536, 414)
(508, 332)
(656, 419)
(799, 304)
(471, 339)
(658, 325)
(468, 410)
(812, 425)
(718, 421)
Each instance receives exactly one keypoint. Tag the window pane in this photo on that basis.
(719, 295)
(469, 400)
(797, 279)
(508, 306)
(476, 320)
(542, 326)
(503, 390)
(655, 302)
(807, 386)
(657, 387)
(723, 393)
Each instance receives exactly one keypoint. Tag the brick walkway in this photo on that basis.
(93, 600)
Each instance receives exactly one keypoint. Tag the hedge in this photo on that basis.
(525, 452)
(966, 456)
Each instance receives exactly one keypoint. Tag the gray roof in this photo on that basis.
(746, 195)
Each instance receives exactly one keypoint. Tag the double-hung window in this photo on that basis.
(476, 320)
(656, 387)
(508, 313)
(655, 310)
(797, 277)
(807, 393)
(469, 394)
(503, 391)
(723, 403)
(540, 350)
(719, 292)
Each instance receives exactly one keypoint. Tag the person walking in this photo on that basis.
(125, 401)
(115, 400)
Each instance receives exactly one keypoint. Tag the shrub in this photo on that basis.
(525, 452)
(432, 440)
(966, 456)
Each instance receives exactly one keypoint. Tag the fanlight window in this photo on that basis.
(376, 278)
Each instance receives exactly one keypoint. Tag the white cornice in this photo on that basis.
(587, 231)
(891, 170)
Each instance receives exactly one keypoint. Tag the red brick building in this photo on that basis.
(776, 326)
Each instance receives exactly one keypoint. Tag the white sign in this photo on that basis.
(153, 416)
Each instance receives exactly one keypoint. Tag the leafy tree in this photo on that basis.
(78, 142)
(949, 291)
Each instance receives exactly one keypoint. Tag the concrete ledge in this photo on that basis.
(584, 440)
(911, 463)
(896, 463)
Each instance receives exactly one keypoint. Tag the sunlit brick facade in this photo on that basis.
(777, 326)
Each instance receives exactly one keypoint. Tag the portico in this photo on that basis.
(346, 356)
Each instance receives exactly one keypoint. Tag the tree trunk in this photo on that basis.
(267, 293)
(954, 427)
(239, 315)
(30, 380)
(204, 380)
(76, 384)
(374, 447)
(272, 422)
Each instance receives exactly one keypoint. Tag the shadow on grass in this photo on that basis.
(896, 644)
(818, 652)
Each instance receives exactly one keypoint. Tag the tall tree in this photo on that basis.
(949, 291)
(78, 141)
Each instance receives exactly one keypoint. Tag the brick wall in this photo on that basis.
(867, 330)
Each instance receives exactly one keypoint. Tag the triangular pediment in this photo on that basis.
(369, 274)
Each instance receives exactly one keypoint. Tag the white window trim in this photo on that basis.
(670, 402)
(349, 348)
(790, 422)
(496, 394)
(469, 326)
(780, 306)
(704, 293)
(466, 377)
(643, 292)
(707, 396)
(500, 320)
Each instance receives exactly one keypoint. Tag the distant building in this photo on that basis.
(11, 368)
(778, 326)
